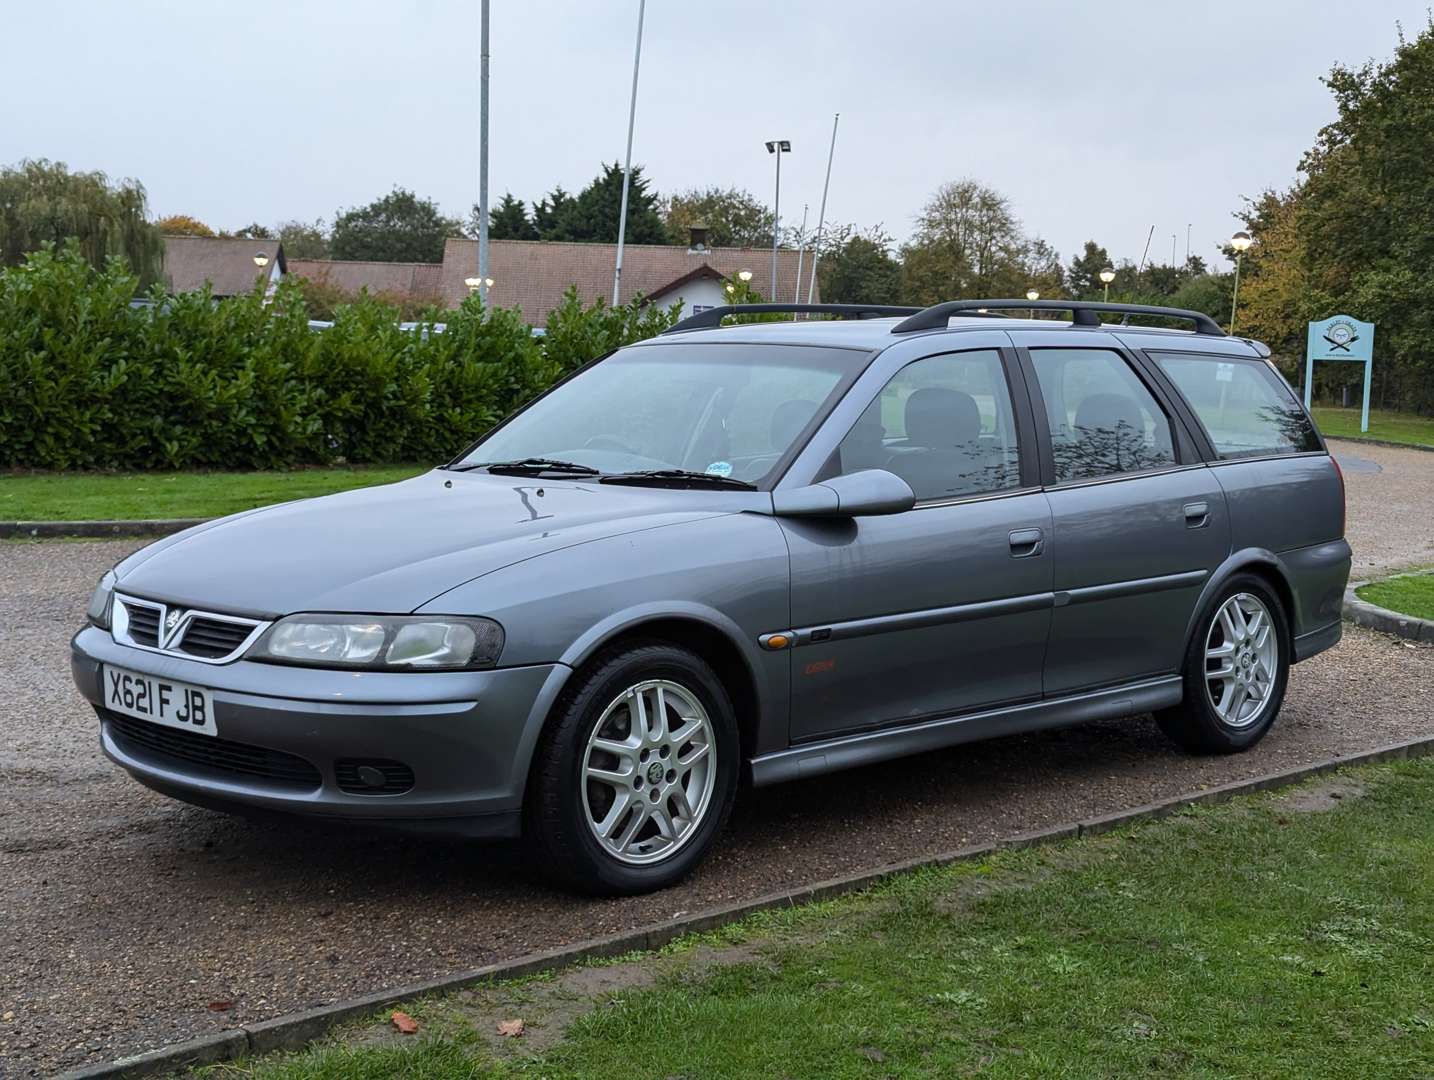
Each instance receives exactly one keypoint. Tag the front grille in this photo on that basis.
(396, 777)
(174, 747)
(213, 637)
(143, 624)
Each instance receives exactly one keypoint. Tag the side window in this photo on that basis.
(1245, 407)
(1103, 420)
(944, 425)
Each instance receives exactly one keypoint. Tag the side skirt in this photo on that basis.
(853, 750)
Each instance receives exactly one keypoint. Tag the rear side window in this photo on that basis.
(1246, 408)
(1103, 420)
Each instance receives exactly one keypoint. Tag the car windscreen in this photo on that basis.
(725, 409)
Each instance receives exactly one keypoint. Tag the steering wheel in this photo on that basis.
(609, 442)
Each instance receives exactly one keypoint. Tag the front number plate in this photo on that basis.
(162, 701)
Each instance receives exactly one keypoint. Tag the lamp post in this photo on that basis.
(778, 147)
(261, 259)
(1106, 277)
(483, 148)
(1033, 294)
(1241, 242)
(476, 283)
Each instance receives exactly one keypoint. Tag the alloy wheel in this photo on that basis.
(1242, 656)
(648, 772)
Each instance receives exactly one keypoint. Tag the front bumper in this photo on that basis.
(467, 736)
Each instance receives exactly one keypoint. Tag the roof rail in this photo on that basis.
(705, 320)
(1083, 313)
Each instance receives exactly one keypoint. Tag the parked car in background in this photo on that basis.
(760, 551)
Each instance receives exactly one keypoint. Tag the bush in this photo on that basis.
(89, 380)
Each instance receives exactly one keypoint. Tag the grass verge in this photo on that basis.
(144, 496)
(1408, 594)
(1390, 426)
(1283, 935)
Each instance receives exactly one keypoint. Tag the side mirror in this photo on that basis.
(858, 494)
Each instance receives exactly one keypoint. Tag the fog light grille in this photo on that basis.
(373, 776)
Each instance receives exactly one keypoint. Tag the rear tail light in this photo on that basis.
(1342, 497)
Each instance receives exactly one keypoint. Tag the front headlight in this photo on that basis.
(100, 601)
(382, 642)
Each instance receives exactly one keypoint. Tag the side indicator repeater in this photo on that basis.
(778, 641)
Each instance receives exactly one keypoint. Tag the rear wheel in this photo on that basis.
(636, 772)
(1236, 670)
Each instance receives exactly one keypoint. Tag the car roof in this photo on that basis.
(877, 333)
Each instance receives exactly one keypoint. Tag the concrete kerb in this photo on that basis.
(1363, 613)
(295, 1030)
(55, 530)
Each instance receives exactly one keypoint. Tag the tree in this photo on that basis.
(507, 221)
(733, 217)
(399, 227)
(1355, 234)
(182, 225)
(967, 244)
(1083, 279)
(859, 269)
(302, 240)
(592, 216)
(42, 202)
(1041, 268)
(548, 212)
(252, 231)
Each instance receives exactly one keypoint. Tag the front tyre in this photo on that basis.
(1236, 671)
(635, 773)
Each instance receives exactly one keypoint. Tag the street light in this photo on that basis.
(1241, 242)
(778, 147)
(261, 259)
(1107, 276)
(476, 283)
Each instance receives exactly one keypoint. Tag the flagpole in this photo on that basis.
(627, 165)
(822, 213)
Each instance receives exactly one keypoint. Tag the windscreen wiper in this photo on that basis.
(527, 467)
(676, 478)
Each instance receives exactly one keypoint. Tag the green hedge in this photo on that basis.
(90, 381)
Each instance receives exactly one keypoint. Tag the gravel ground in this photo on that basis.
(1390, 497)
(125, 918)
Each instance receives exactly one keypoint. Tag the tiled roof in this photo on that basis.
(226, 263)
(419, 281)
(534, 274)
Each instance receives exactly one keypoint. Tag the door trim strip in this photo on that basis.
(823, 633)
(1134, 587)
(870, 747)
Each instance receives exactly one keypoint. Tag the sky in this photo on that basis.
(1096, 120)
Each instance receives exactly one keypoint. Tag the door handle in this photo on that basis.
(1026, 543)
(1197, 515)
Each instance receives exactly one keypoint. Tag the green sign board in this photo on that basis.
(1340, 337)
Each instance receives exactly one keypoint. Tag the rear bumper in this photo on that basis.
(467, 737)
(1317, 641)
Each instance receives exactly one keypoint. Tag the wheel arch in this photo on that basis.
(706, 632)
(1262, 563)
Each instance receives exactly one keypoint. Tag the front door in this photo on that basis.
(1138, 526)
(944, 608)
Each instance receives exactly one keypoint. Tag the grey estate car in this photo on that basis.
(763, 551)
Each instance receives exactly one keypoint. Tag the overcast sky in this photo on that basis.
(1095, 119)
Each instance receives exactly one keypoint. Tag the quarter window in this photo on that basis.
(1245, 407)
(1103, 421)
(944, 425)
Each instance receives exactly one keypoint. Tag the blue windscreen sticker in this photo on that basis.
(720, 468)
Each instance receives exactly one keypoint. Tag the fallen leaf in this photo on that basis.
(406, 1024)
(8, 1016)
(220, 1006)
(510, 1029)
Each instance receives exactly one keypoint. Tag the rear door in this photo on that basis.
(1138, 521)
